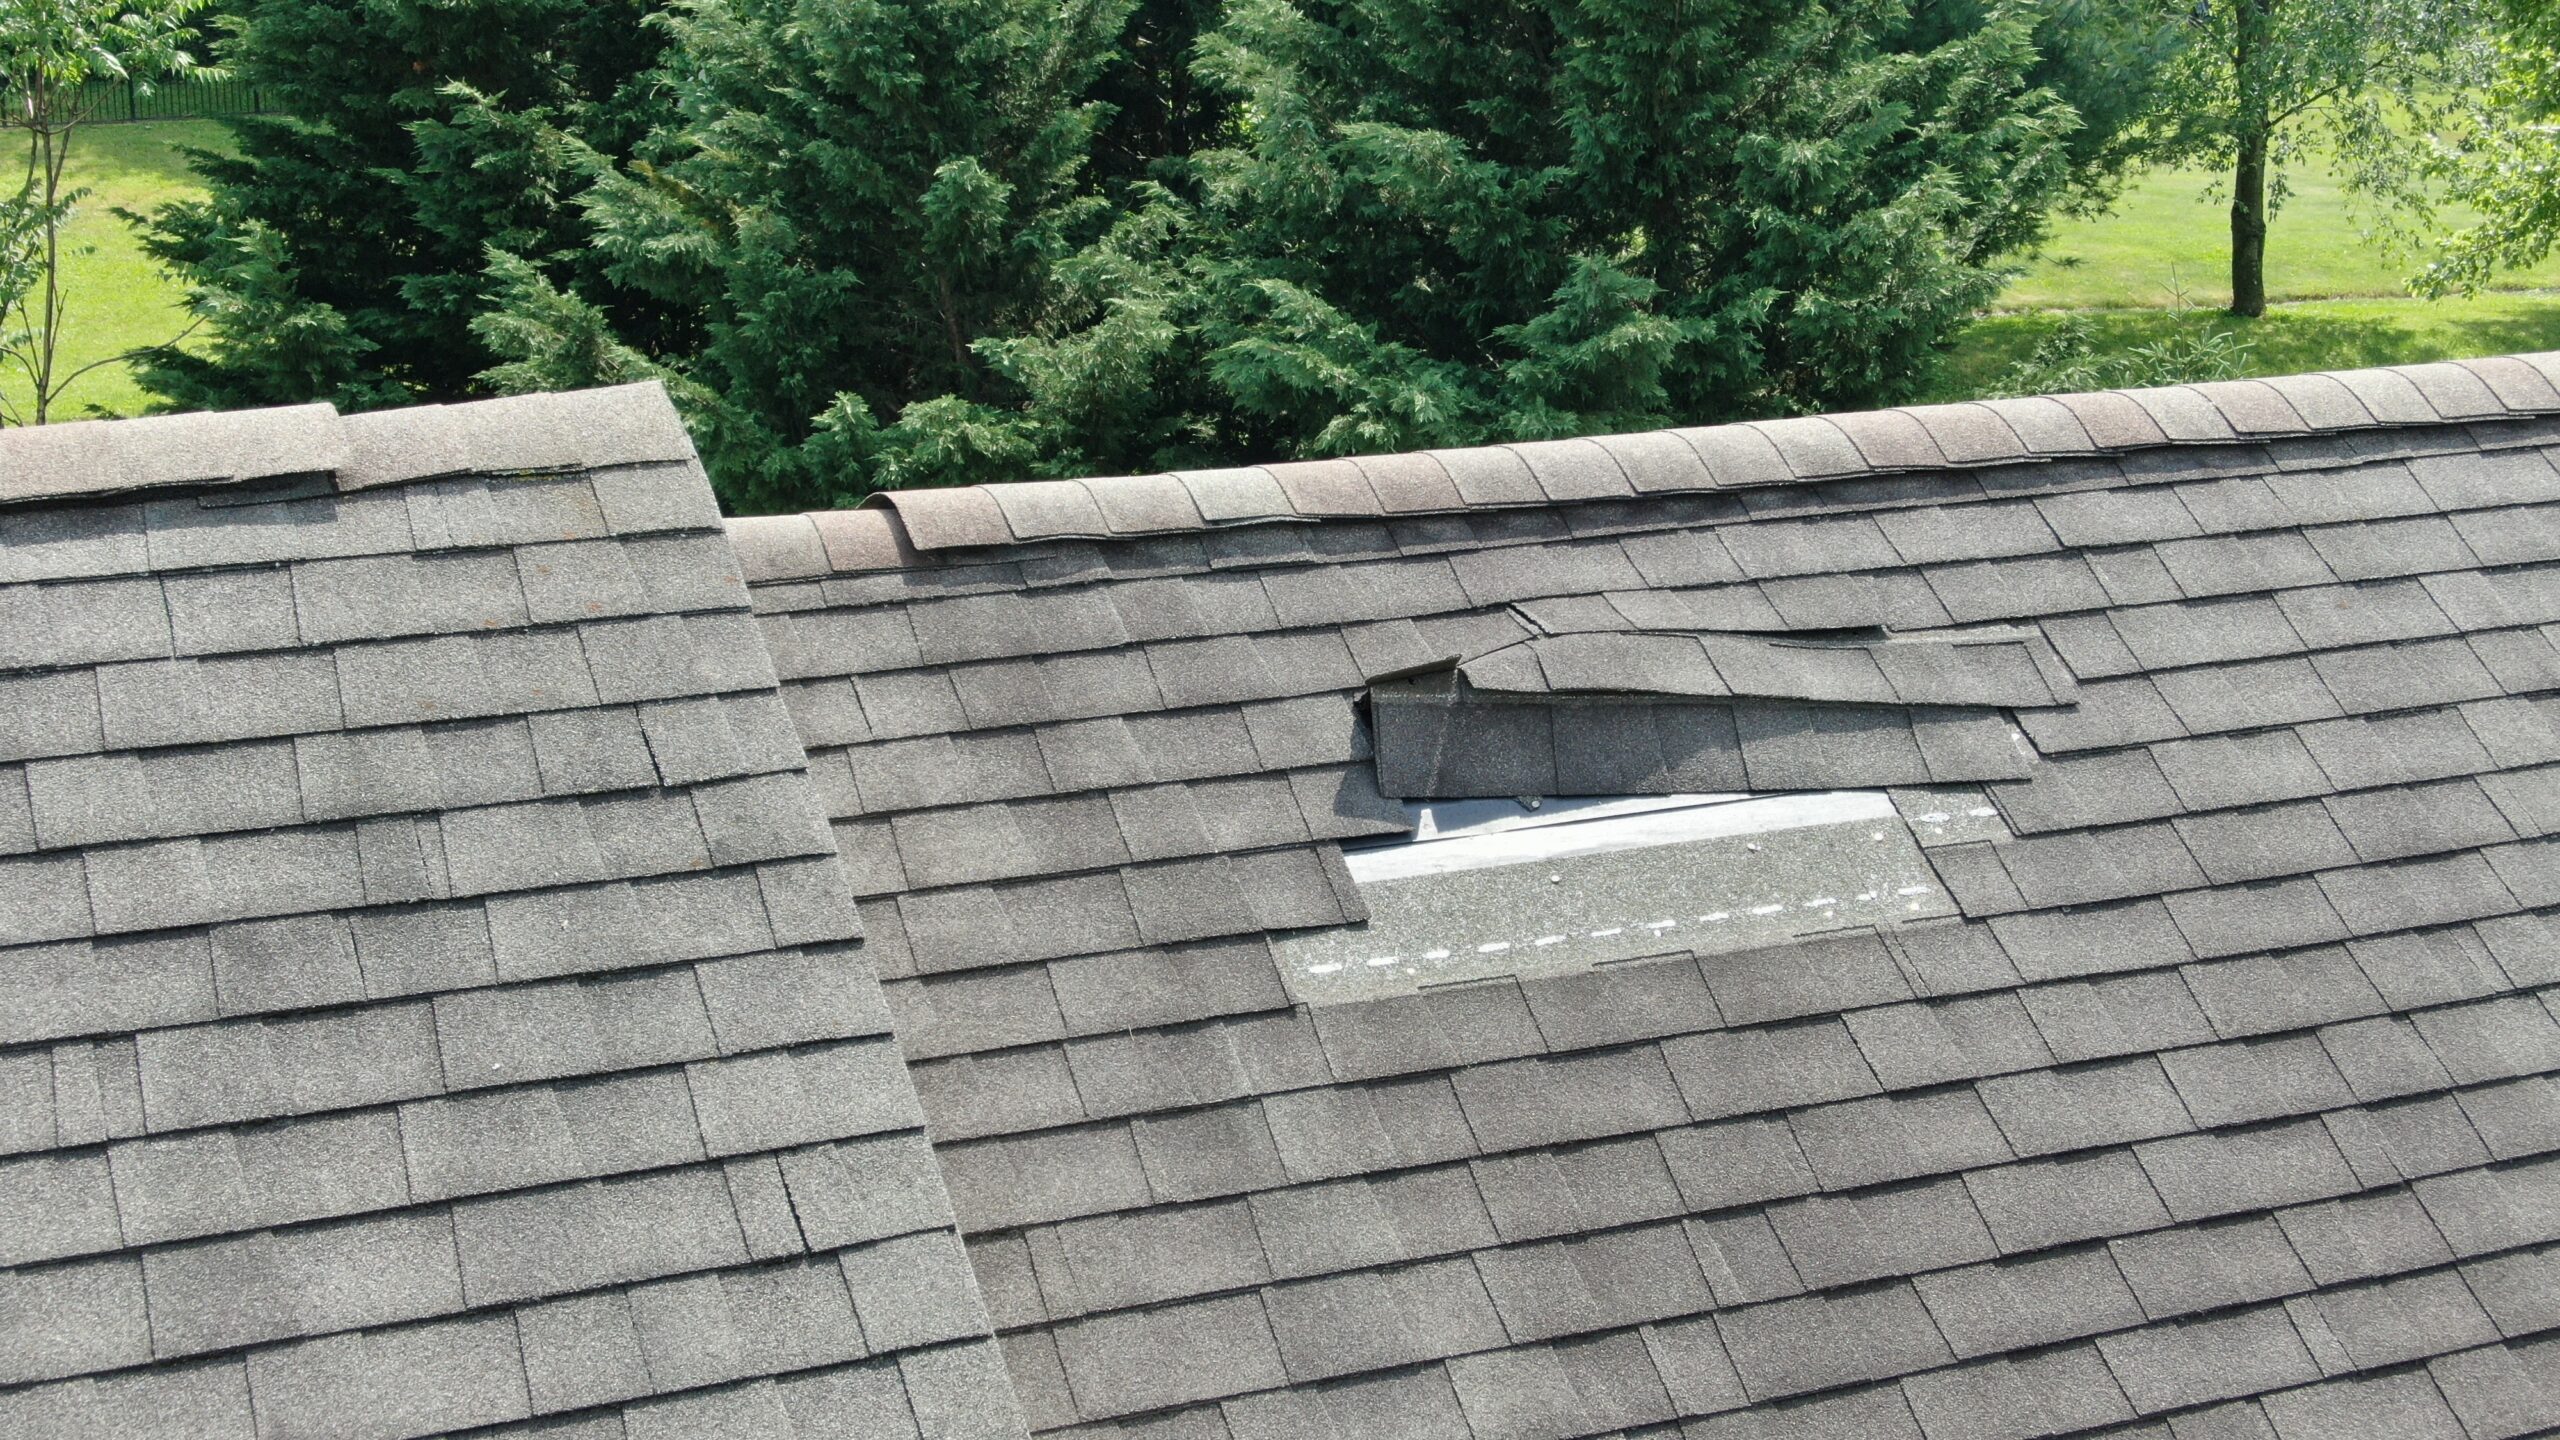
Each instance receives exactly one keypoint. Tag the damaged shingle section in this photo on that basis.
(1618, 712)
(430, 997)
(2221, 1105)
(1435, 742)
(207, 452)
(1985, 673)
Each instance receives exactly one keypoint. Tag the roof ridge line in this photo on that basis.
(894, 529)
(84, 459)
(547, 432)
(210, 449)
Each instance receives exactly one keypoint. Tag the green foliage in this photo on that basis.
(25, 222)
(50, 50)
(122, 301)
(1447, 221)
(340, 251)
(2102, 58)
(262, 343)
(561, 342)
(2508, 165)
(891, 258)
(2363, 85)
(2070, 358)
(1154, 109)
(2360, 80)
(851, 197)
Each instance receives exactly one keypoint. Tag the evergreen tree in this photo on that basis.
(1156, 108)
(340, 254)
(1461, 220)
(2103, 58)
(1425, 222)
(853, 197)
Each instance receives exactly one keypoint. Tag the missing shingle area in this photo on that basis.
(1560, 887)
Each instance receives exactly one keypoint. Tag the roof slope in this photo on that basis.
(2227, 1099)
(428, 997)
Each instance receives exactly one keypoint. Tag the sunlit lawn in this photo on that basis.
(120, 300)
(2307, 335)
(2168, 234)
(2159, 263)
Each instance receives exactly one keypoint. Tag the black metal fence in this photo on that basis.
(172, 100)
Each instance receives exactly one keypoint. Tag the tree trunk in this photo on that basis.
(2249, 227)
(50, 336)
(2251, 130)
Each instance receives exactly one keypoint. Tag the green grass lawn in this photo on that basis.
(2305, 335)
(119, 299)
(2159, 264)
(2165, 236)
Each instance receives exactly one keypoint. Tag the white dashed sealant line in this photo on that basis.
(1496, 947)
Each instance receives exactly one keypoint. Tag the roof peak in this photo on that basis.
(892, 530)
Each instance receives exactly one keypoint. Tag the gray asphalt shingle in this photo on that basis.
(2123, 1014)
(2036, 1204)
(2187, 1270)
(1836, 1241)
(1821, 1341)
(2050, 1111)
(2219, 1173)
(2188, 1362)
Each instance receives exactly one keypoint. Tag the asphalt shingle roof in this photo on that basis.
(468, 963)
(429, 997)
(2224, 1104)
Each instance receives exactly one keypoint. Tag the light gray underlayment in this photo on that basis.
(1544, 915)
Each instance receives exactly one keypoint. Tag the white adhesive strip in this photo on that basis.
(1441, 819)
(1525, 838)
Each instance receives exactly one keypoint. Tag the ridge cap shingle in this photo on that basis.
(88, 458)
(199, 450)
(1956, 435)
(515, 434)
